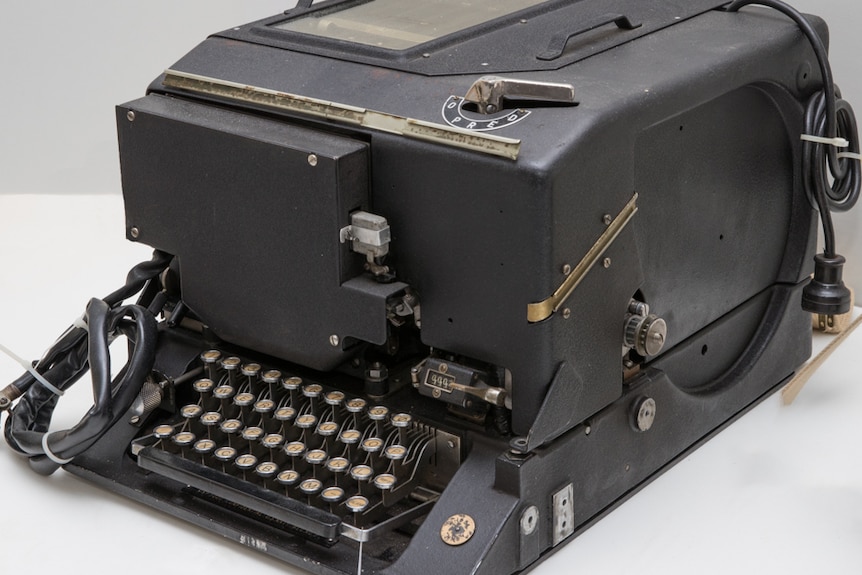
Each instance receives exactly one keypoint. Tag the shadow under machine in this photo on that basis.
(451, 279)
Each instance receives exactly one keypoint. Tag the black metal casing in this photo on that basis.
(698, 112)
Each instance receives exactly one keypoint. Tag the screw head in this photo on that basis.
(567, 313)
(529, 520)
(644, 413)
(130, 115)
(567, 269)
(607, 219)
(312, 160)
(334, 340)
(135, 232)
(606, 262)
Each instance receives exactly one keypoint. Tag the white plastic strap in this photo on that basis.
(79, 322)
(49, 454)
(837, 142)
(850, 156)
(26, 365)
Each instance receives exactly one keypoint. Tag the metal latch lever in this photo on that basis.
(489, 92)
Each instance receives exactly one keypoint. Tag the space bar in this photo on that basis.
(260, 500)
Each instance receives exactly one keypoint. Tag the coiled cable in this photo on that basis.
(829, 117)
(80, 349)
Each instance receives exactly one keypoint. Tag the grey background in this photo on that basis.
(65, 65)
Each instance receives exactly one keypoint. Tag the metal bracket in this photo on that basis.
(542, 310)
(564, 514)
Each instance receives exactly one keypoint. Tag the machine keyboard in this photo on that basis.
(311, 458)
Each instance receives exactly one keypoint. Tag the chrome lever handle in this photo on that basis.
(489, 92)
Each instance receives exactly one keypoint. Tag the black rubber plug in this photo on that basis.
(826, 294)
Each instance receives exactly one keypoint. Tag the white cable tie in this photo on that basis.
(26, 365)
(49, 454)
(837, 142)
(79, 322)
(850, 156)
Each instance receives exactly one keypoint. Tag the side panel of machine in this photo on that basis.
(253, 208)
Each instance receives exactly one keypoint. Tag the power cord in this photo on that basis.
(830, 124)
(84, 346)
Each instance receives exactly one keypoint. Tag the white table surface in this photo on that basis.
(779, 491)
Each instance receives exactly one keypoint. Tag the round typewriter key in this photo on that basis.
(203, 386)
(210, 360)
(372, 444)
(191, 411)
(356, 504)
(272, 441)
(332, 494)
(295, 449)
(266, 470)
(356, 405)
(288, 477)
(334, 398)
(337, 465)
(264, 406)
(244, 399)
(250, 369)
(311, 486)
(378, 413)
(285, 413)
(204, 446)
(163, 431)
(316, 456)
(211, 356)
(231, 426)
(292, 383)
(327, 429)
(271, 376)
(252, 433)
(246, 462)
(384, 481)
(395, 452)
(211, 418)
(184, 438)
(402, 420)
(224, 392)
(230, 363)
(350, 436)
(306, 421)
(225, 454)
(361, 472)
(312, 390)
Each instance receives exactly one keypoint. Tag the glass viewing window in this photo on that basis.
(402, 24)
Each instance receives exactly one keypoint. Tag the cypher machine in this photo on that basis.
(448, 279)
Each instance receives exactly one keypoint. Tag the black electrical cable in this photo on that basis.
(826, 116)
(76, 351)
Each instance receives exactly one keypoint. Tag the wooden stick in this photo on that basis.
(792, 389)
